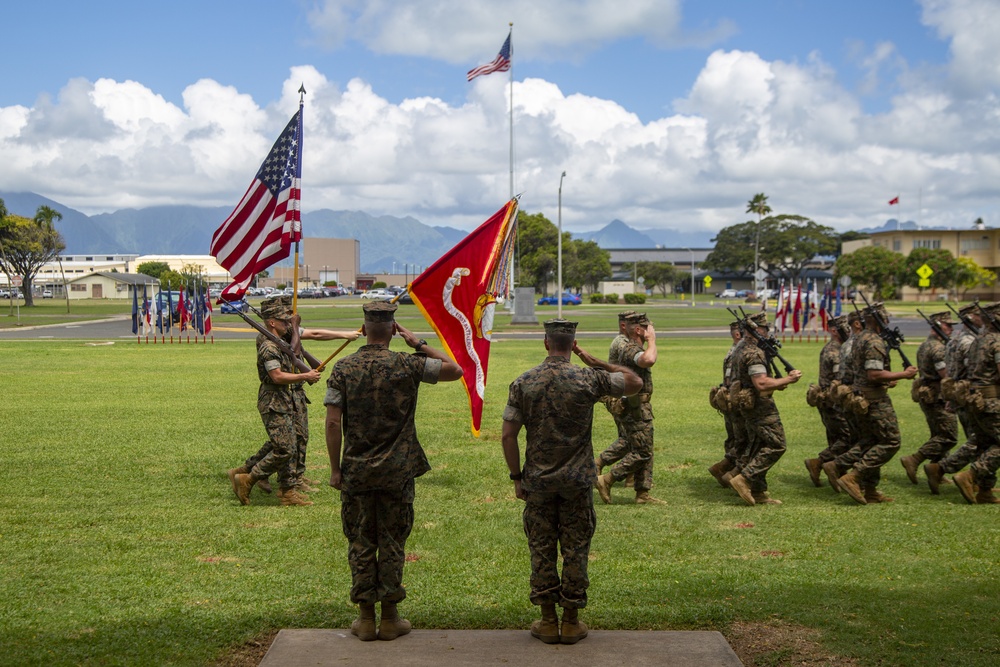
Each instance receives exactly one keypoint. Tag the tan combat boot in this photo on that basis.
(600, 465)
(832, 474)
(547, 627)
(966, 483)
(242, 484)
(852, 485)
(391, 625)
(292, 497)
(572, 629)
(643, 498)
(763, 498)
(264, 485)
(363, 626)
(303, 487)
(603, 485)
(630, 482)
(986, 497)
(910, 464)
(935, 475)
(740, 485)
(815, 467)
(720, 469)
(874, 496)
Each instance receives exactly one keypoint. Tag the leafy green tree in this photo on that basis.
(27, 246)
(874, 266)
(969, 275)
(657, 275)
(786, 244)
(171, 280)
(942, 262)
(584, 263)
(153, 269)
(537, 239)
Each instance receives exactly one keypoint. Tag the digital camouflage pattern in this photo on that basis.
(942, 424)
(555, 403)
(736, 436)
(376, 389)
(765, 432)
(637, 425)
(617, 449)
(985, 354)
(878, 429)
(555, 524)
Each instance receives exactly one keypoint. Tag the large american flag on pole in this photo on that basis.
(262, 228)
(500, 64)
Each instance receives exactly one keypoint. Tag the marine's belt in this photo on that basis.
(270, 386)
(874, 393)
(988, 391)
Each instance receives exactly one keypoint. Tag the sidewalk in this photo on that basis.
(452, 648)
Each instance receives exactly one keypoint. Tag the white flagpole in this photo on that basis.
(510, 282)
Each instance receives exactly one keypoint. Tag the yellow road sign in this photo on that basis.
(924, 282)
(925, 272)
(707, 281)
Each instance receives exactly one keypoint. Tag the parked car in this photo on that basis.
(377, 294)
(568, 299)
(405, 298)
(766, 294)
(4, 294)
(47, 294)
(233, 307)
(727, 294)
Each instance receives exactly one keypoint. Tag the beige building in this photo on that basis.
(982, 245)
(321, 260)
(109, 285)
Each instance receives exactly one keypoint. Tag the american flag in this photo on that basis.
(261, 229)
(500, 64)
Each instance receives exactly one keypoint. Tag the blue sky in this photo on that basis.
(664, 114)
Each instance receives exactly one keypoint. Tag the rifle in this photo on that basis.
(769, 344)
(296, 343)
(935, 326)
(986, 316)
(892, 337)
(965, 319)
(282, 345)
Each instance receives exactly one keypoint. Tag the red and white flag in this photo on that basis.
(458, 293)
(208, 314)
(894, 201)
(262, 228)
(500, 64)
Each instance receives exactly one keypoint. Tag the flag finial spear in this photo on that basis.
(302, 91)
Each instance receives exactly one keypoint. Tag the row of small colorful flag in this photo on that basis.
(807, 309)
(194, 310)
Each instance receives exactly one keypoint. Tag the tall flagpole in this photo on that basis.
(510, 282)
(298, 223)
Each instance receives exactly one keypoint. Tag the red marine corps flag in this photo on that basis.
(458, 293)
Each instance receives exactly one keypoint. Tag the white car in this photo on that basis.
(727, 294)
(377, 294)
(47, 294)
(765, 294)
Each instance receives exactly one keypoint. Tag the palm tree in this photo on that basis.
(45, 215)
(759, 206)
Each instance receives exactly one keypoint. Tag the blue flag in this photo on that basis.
(135, 310)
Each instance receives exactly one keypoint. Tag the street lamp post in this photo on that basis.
(693, 304)
(559, 252)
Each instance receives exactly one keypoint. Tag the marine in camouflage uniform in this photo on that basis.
(976, 484)
(942, 423)
(838, 432)
(554, 403)
(958, 355)
(880, 439)
(846, 371)
(371, 401)
(736, 439)
(283, 409)
(765, 433)
(619, 448)
(637, 417)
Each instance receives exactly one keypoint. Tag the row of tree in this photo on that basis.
(26, 245)
(885, 271)
(585, 264)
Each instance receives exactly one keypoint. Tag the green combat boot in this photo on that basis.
(572, 629)
(910, 464)
(392, 625)
(966, 483)
(852, 485)
(363, 626)
(740, 486)
(603, 485)
(242, 484)
(815, 467)
(547, 627)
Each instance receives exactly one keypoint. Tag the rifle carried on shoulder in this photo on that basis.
(965, 319)
(935, 326)
(296, 343)
(769, 344)
(892, 337)
(282, 345)
(986, 316)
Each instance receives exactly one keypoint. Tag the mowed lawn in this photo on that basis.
(121, 542)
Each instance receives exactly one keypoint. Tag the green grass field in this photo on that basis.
(121, 542)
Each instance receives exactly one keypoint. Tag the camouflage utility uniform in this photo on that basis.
(376, 390)
(959, 359)
(878, 428)
(985, 380)
(943, 425)
(554, 401)
(838, 432)
(736, 435)
(637, 424)
(765, 433)
(619, 448)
